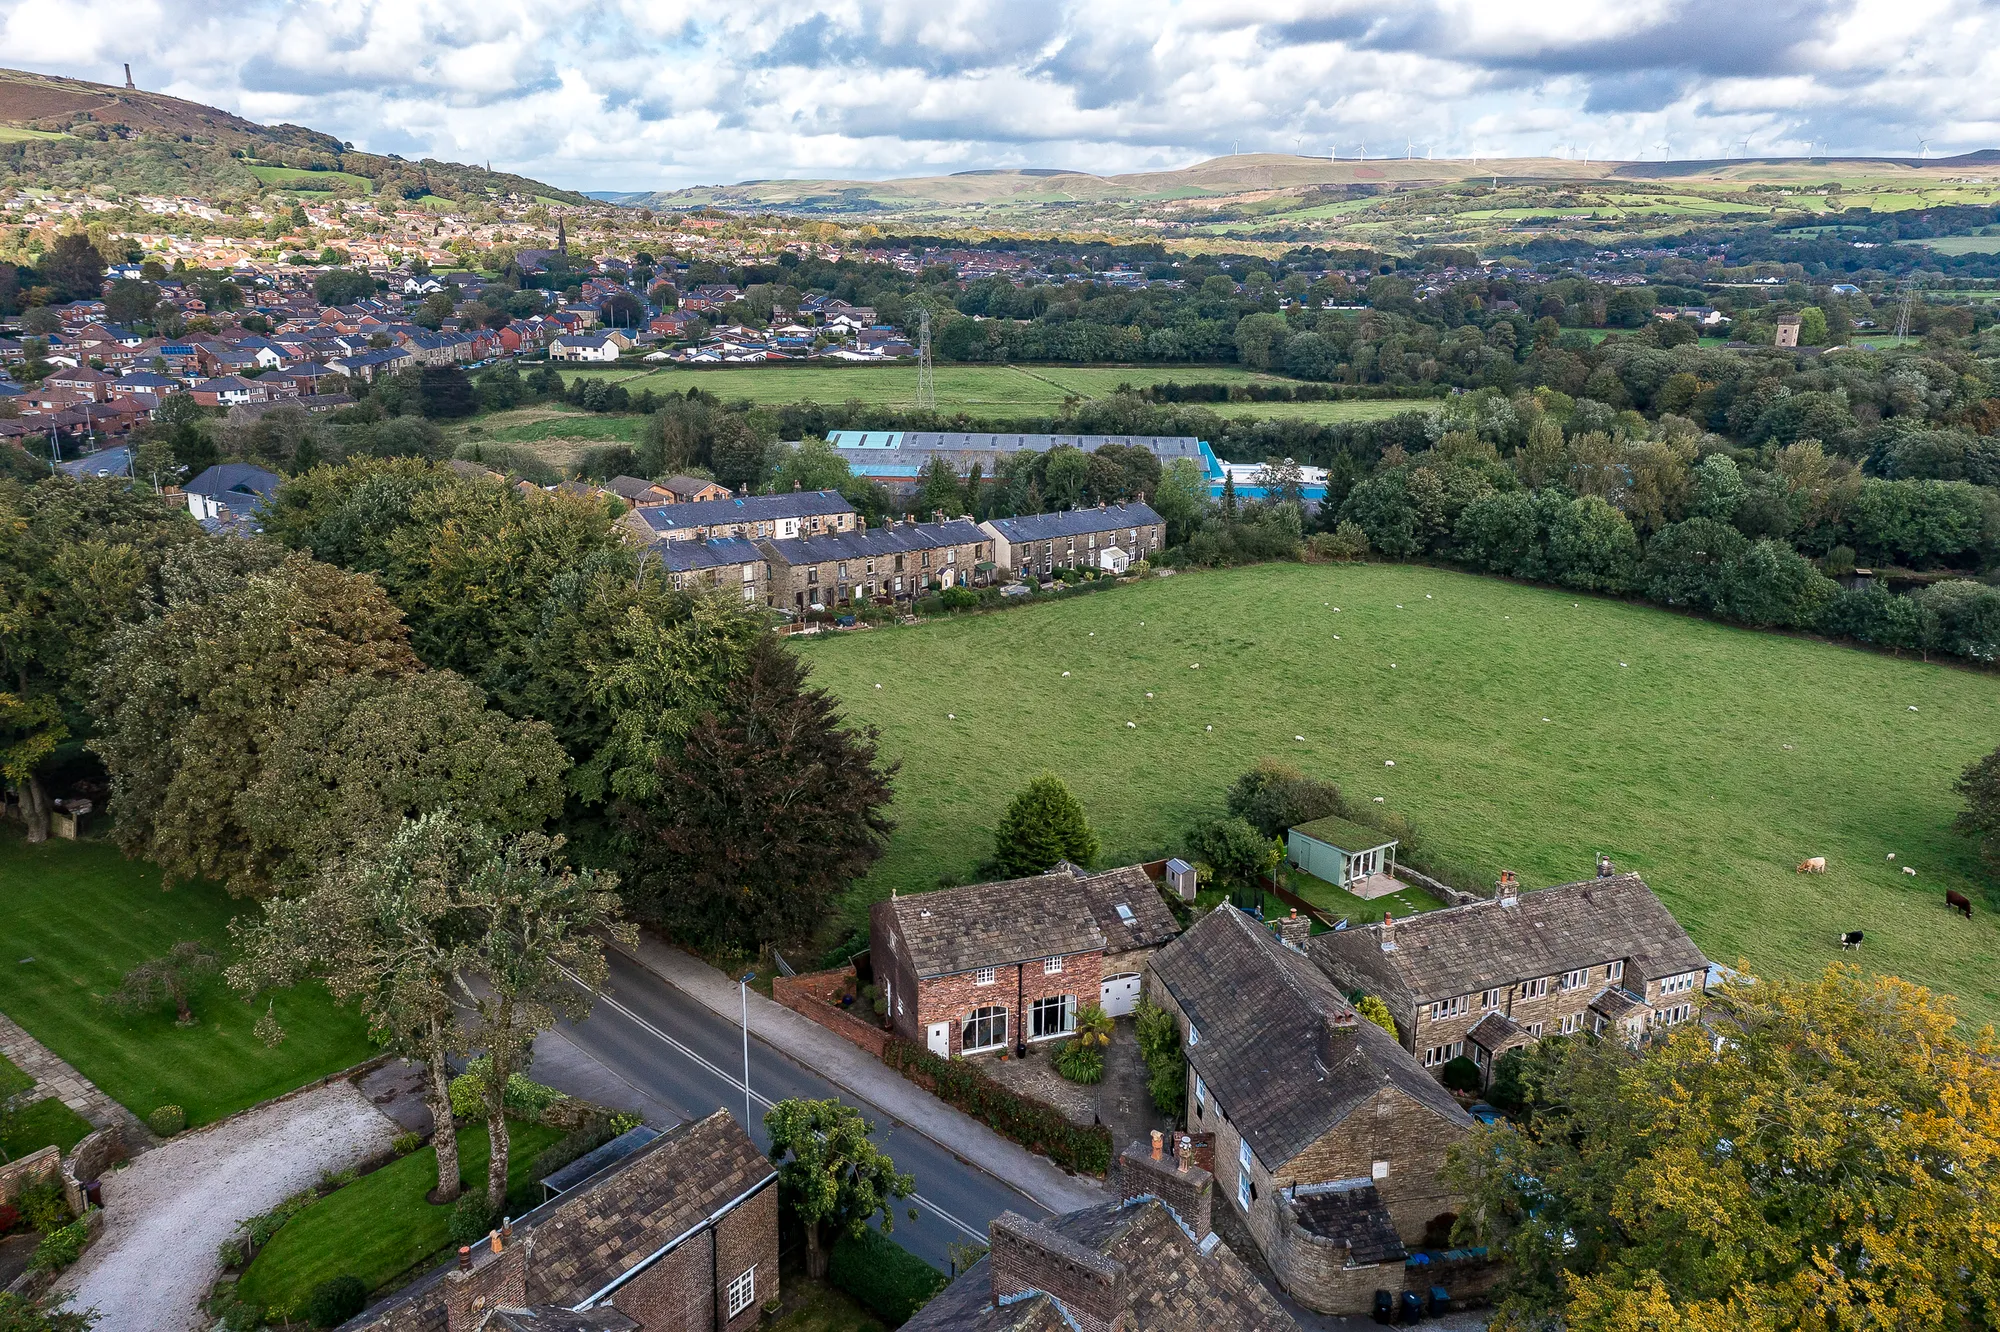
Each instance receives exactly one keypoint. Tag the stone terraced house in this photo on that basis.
(1602, 956)
(1328, 1137)
(996, 966)
(897, 562)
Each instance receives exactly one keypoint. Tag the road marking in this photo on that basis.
(736, 1084)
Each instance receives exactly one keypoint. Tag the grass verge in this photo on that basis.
(1531, 729)
(76, 916)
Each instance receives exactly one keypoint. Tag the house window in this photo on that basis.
(951, 556)
(743, 1292)
(1678, 984)
(1572, 1023)
(812, 575)
(925, 559)
(1673, 1017)
(1535, 989)
(843, 569)
(1490, 999)
(1614, 970)
(1443, 1054)
(1055, 1016)
(1243, 1174)
(1535, 1030)
(1052, 966)
(1380, 1171)
(986, 1029)
(983, 976)
(1194, 1036)
(1200, 1096)
(1574, 980)
(1448, 1008)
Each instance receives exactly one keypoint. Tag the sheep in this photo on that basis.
(1131, 726)
(1812, 865)
(1065, 675)
(1957, 902)
(1301, 739)
(1388, 763)
(1910, 870)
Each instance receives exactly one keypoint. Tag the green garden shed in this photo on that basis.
(1349, 855)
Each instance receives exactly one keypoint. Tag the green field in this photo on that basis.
(993, 391)
(1710, 759)
(298, 178)
(21, 134)
(1964, 244)
(77, 915)
(380, 1227)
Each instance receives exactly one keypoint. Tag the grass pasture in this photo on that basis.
(77, 915)
(1711, 759)
(1000, 392)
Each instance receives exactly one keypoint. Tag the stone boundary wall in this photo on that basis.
(815, 996)
(89, 1161)
(1444, 892)
(42, 1163)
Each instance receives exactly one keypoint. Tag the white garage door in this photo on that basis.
(1120, 993)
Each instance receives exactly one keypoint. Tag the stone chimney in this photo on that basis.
(128, 78)
(937, 515)
(1508, 891)
(1294, 930)
(1388, 932)
(1028, 1256)
(489, 1276)
(1174, 1180)
(1336, 1037)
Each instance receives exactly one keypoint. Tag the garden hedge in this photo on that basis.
(889, 1279)
(1034, 1124)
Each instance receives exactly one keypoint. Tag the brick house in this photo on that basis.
(638, 492)
(1146, 1263)
(765, 517)
(681, 1235)
(1328, 1136)
(995, 966)
(1041, 543)
(693, 490)
(894, 563)
(1602, 956)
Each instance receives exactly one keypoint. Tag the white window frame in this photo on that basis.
(983, 976)
(1491, 998)
(1380, 1170)
(1575, 980)
(743, 1291)
(1200, 1096)
(1065, 1021)
(1194, 1035)
(1052, 966)
(1535, 1030)
(988, 1010)
(1448, 1008)
(1572, 1023)
(1536, 988)
(1243, 1174)
(1614, 970)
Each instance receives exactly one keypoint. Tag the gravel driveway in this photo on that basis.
(165, 1214)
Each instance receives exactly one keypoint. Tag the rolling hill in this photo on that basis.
(67, 133)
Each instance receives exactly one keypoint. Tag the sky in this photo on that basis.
(636, 95)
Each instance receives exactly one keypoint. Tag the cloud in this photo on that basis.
(636, 94)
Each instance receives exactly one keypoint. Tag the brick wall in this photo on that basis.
(1029, 1256)
(485, 1281)
(815, 995)
(953, 999)
(687, 1290)
(747, 1238)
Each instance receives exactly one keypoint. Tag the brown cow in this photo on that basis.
(1957, 902)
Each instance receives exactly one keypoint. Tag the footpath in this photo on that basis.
(857, 1072)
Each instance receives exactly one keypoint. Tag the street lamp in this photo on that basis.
(743, 989)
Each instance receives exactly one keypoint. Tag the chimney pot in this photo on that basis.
(1388, 932)
(494, 1240)
(465, 1257)
(1156, 1144)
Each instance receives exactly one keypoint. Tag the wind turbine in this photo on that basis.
(1923, 149)
(1746, 146)
(1666, 151)
(1409, 150)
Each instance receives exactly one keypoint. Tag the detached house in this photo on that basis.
(1328, 1136)
(995, 966)
(1107, 537)
(1601, 956)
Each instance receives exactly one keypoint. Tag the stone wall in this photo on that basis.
(1314, 1271)
(92, 1157)
(816, 995)
(15, 1176)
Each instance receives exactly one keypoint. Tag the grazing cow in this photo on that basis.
(1851, 939)
(1957, 902)
(1813, 865)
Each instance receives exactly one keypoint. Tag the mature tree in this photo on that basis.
(77, 558)
(130, 301)
(766, 811)
(1272, 797)
(190, 700)
(1816, 1155)
(1979, 785)
(939, 491)
(361, 753)
(813, 464)
(1043, 824)
(342, 286)
(832, 1177)
(1687, 563)
(1592, 546)
(443, 391)
(74, 268)
(166, 980)
(1182, 499)
(737, 454)
(1065, 474)
(538, 955)
(436, 308)
(1237, 853)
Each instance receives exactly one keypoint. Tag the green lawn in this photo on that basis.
(1711, 759)
(379, 1227)
(994, 391)
(77, 915)
(297, 178)
(40, 1124)
(1342, 904)
(1963, 244)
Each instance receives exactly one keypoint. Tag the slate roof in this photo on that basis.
(1466, 949)
(896, 539)
(1497, 1031)
(1173, 1285)
(994, 924)
(629, 487)
(1349, 1212)
(235, 480)
(745, 509)
(688, 485)
(1269, 1051)
(1151, 923)
(714, 553)
(1076, 522)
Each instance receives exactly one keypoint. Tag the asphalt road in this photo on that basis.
(686, 1061)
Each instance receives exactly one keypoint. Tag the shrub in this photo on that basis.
(1034, 1124)
(43, 1206)
(405, 1143)
(889, 1279)
(959, 598)
(1505, 1090)
(335, 1300)
(1166, 1064)
(573, 1147)
(59, 1248)
(471, 1217)
(1377, 1012)
(1460, 1074)
(1080, 1063)
(524, 1098)
(1346, 542)
(167, 1120)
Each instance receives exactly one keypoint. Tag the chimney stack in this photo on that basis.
(1508, 891)
(1294, 930)
(1604, 868)
(1336, 1037)
(128, 77)
(1195, 1150)
(1027, 1255)
(494, 1277)
(1179, 1183)
(1388, 932)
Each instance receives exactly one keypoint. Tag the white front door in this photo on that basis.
(941, 1039)
(1119, 995)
